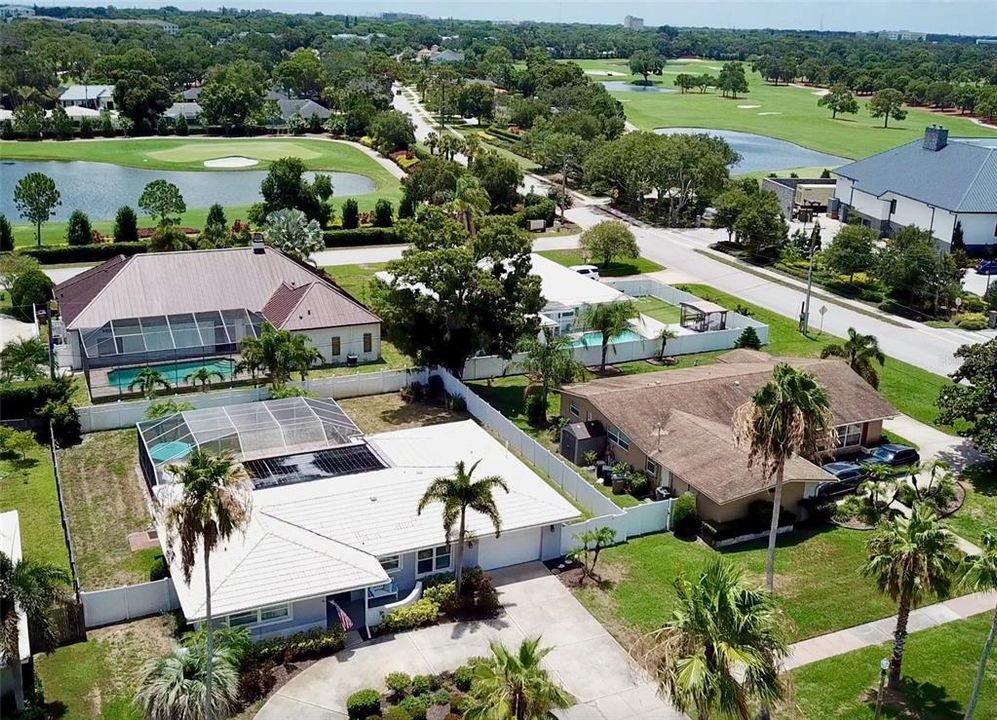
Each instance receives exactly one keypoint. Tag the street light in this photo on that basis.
(884, 666)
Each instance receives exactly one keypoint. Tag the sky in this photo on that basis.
(959, 17)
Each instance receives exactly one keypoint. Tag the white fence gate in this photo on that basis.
(129, 602)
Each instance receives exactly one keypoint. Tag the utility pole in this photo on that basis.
(805, 310)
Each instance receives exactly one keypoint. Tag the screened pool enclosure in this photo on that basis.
(255, 434)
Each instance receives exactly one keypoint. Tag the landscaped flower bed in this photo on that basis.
(439, 601)
(419, 697)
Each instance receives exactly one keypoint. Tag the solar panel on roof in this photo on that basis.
(304, 467)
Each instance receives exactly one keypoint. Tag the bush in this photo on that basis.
(543, 209)
(18, 400)
(256, 682)
(685, 518)
(57, 254)
(441, 593)
(416, 706)
(181, 127)
(440, 697)
(463, 677)
(351, 214)
(302, 645)
(395, 713)
(419, 614)
(990, 296)
(159, 569)
(422, 684)
(78, 230)
(971, 321)
(973, 303)
(125, 225)
(32, 287)
(383, 214)
(906, 494)
(6, 234)
(363, 703)
(456, 403)
(748, 339)
(361, 236)
(398, 683)
(638, 484)
(535, 410)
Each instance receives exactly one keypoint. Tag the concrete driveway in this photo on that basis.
(586, 660)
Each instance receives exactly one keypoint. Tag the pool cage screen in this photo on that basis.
(251, 431)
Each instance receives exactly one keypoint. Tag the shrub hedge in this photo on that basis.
(56, 254)
(361, 236)
(301, 646)
(363, 704)
(419, 614)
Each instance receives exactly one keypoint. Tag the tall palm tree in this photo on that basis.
(664, 336)
(147, 381)
(789, 415)
(515, 686)
(461, 493)
(36, 590)
(251, 359)
(609, 319)
(210, 499)
(204, 376)
(909, 557)
(861, 352)
(470, 202)
(719, 655)
(981, 575)
(174, 686)
(549, 363)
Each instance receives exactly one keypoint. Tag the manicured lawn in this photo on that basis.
(28, 486)
(938, 671)
(96, 679)
(105, 501)
(818, 582)
(355, 279)
(617, 268)
(658, 309)
(979, 511)
(910, 389)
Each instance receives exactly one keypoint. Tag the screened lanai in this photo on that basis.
(250, 432)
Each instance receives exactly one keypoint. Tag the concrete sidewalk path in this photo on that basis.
(878, 632)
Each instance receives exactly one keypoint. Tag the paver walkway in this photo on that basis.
(878, 632)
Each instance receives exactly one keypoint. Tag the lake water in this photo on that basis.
(764, 153)
(626, 86)
(99, 189)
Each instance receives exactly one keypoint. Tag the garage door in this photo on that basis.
(509, 549)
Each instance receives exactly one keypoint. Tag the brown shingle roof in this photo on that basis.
(76, 293)
(282, 303)
(320, 306)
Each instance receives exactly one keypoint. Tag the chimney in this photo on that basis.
(935, 138)
(258, 246)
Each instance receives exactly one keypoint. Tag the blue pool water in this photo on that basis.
(173, 373)
(593, 338)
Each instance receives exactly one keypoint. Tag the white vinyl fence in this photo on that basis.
(106, 607)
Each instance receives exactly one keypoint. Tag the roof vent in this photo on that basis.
(935, 138)
(258, 247)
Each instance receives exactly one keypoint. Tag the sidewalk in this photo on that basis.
(881, 631)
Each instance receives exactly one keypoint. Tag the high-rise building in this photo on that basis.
(633, 23)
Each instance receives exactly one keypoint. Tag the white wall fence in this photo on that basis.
(106, 607)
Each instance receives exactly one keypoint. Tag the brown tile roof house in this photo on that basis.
(681, 419)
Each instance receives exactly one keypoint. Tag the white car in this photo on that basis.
(589, 271)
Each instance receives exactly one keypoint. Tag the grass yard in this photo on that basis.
(355, 279)
(800, 120)
(96, 679)
(658, 309)
(979, 511)
(939, 666)
(28, 486)
(912, 390)
(617, 268)
(818, 582)
(385, 413)
(105, 501)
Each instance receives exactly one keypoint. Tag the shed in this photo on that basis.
(581, 437)
(702, 315)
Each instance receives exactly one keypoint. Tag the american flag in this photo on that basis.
(344, 619)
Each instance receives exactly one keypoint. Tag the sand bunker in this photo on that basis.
(770, 113)
(236, 161)
(605, 73)
(748, 107)
(820, 93)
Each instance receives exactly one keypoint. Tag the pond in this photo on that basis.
(99, 189)
(626, 86)
(759, 152)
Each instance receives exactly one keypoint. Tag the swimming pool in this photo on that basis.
(174, 373)
(593, 338)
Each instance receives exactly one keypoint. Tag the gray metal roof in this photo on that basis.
(961, 177)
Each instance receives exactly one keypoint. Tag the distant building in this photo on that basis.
(903, 35)
(189, 110)
(401, 16)
(986, 41)
(9, 12)
(633, 23)
(447, 56)
(95, 97)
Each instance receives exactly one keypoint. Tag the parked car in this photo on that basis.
(848, 475)
(892, 454)
(589, 271)
(987, 267)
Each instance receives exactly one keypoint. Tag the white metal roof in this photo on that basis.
(324, 537)
(562, 287)
(10, 545)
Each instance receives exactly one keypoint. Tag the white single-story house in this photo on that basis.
(95, 97)
(334, 521)
(566, 292)
(941, 184)
(10, 545)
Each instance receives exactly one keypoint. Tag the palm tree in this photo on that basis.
(980, 576)
(549, 363)
(210, 499)
(461, 493)
(23, 358)
(174, 686)
(204, 376)
(166, 407)
(279, 352)
(301, 355)
(36, 590)
(861, 351)
(878, 488)
(472, 146)
(720, 653)
(147, 381)
(515, 686)
(251, 359)
(909, 557)
(664, 336)
(470, 202)
(432, 142)
(789, 415)
(610, 319)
